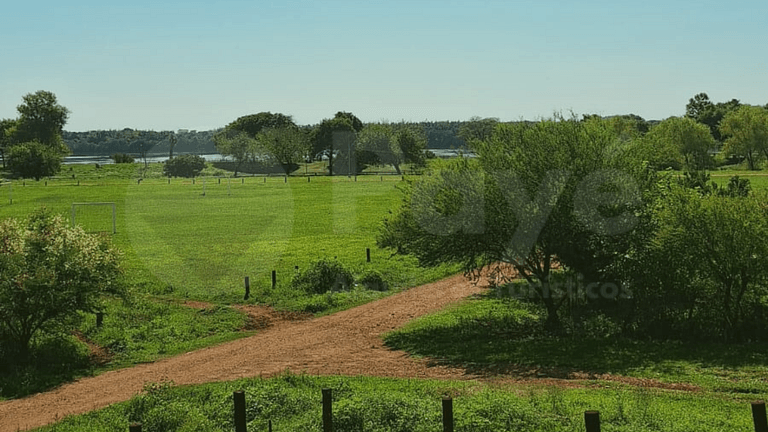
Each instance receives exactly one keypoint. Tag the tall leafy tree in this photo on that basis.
(238, 145)
(746, 130)
(681, 141)
(557, 191)
(41, 119)
(337, 134)
(285, 145)
(703, 110)
(477, 128)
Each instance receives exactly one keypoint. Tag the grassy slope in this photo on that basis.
(292, 402)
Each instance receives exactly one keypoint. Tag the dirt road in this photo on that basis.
(345, 343)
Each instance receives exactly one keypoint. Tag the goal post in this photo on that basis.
(75, 207)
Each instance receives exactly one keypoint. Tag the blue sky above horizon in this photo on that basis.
(200, 65)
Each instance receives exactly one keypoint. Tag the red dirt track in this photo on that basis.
(345, 343)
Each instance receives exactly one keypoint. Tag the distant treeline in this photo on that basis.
(440, 135)
(109, 142)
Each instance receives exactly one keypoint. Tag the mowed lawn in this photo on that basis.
(201, 239)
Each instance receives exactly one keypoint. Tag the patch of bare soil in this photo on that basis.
(98, 355)
(345, 343)
(262, 317)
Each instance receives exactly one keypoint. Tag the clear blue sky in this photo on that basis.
(199, 65)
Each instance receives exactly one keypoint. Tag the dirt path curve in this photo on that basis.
(346, 343)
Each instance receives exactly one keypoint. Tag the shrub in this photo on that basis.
(184, 166)
(122, 158)
(373, 280)
(34, 160)
(49, 272)
(323, 276)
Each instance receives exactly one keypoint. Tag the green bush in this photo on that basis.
(122, 158)
(373, 280)
(323, 276)
(34, 160)
(184, 166)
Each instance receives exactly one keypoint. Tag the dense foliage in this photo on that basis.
(34, 160)
(184, 166)
(322, 276)
(32, 143)
(49, 272)
(576, 210)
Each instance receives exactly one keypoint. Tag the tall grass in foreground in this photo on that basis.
(293, 403)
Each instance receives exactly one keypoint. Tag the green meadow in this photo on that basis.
(198, 240)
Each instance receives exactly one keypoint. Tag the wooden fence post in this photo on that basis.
(592, 421)
(134, 427)
(447, 414)
(274, 278)
(368, 254)
(327, 410)
(758, 416)
(239, 397)
(247, 288)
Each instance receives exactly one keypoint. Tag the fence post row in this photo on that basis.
(591, 418)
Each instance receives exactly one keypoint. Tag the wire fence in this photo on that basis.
(591, 418)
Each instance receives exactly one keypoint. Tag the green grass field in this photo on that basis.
(293, 403)
(201, 240)
(198, 240)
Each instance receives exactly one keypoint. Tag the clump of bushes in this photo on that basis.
(120, 158)
(323, 276)
(184, 166)
(373, 280)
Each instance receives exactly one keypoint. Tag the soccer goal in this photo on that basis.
(95, 216)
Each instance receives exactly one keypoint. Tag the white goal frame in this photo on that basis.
(114, 212)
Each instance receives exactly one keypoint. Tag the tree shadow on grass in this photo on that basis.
(256, 168)
(53, 361)
(494, 344)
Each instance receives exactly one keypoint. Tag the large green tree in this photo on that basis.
(33, 160)
(236, 144)
(41, 119)
(239, 139)
(680, 142)
(746, 130)
(704, 111)
(286, 145)
(336, 135)
(392, 144)
(704, 271)
(49, 274)
(557, 191)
